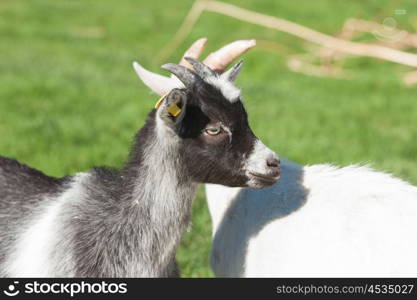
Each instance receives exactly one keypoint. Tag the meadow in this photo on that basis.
(70, 100)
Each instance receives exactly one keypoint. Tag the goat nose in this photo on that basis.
(273, 166)
(272, 162)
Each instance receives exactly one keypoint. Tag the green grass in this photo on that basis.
(70, 100)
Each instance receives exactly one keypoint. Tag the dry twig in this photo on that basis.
(331, 48)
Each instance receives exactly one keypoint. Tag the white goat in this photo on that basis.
(315, 221)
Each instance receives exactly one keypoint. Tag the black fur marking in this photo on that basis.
(221, 162)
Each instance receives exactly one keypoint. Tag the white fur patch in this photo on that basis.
(317, 221)
(219, 198)
(257, 160)
(228, 89)
(32, 256)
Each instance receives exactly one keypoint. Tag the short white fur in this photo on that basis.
(33, 252)
(256, 161)
(227, 88)
(316, 221)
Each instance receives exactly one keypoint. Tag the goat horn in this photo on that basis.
(233, 72)
(217, 61)
(186, 76)
(157, 83)
(201, 69)
(194, 51)
(220, 59)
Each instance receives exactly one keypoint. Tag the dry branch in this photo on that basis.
(313, 36)
(331, 49)
(396, 37)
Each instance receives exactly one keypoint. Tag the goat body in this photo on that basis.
(104, 223)
(129, 222)
(316, 221)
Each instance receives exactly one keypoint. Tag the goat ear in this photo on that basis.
(171, 108)
(234, 71)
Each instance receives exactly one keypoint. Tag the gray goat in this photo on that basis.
(129, 222)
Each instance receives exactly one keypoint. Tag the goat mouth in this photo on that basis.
(268, 180)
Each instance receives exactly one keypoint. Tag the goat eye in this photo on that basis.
(213, 130)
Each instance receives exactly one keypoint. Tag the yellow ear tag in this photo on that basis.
(173, 109)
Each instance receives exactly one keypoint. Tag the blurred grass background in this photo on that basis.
(70, 100)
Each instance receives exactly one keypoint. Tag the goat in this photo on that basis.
(316, 221)
(128, 222)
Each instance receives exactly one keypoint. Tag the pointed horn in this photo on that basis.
(194, 51)
(233, 72)
(157, 83)
(202, 70)
(186, 76)
(219, 60)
